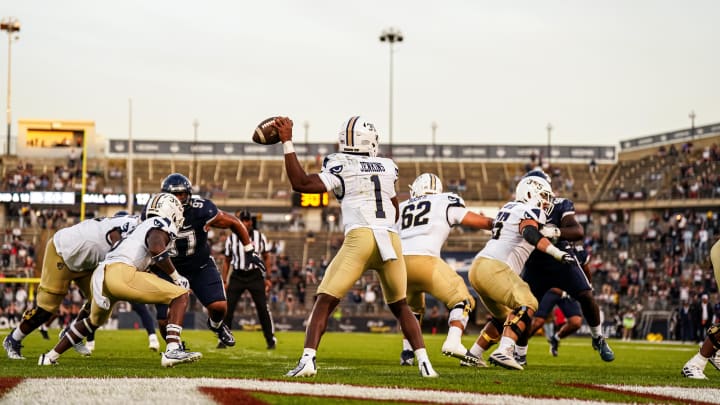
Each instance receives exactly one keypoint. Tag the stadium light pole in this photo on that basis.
(193, 173)
(12, 26)
(692, 124)
(434, 126)
(306, 125)
(549, 128)
(391, 35)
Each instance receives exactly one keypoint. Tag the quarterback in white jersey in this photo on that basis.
(122, 277)
(425, 223)
(495, 272)
(70, 255)
(364, 184)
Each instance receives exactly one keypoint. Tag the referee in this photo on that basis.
(245, 276)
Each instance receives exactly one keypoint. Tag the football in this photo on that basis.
(265, 133)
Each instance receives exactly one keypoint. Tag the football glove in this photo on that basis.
(182, 282)
(550, 231)
(254, 261)
(566, 258)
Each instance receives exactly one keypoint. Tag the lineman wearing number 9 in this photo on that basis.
(364, 184)
(192, 258)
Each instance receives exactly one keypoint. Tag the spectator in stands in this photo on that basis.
(115, 173)
(8, 296)
(592, 166)
(283, 265)
(628, 322)
(309, 273)
(73, 157)
(703, 317)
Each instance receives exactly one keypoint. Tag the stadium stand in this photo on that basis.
(649, 218)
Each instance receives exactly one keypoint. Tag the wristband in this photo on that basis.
(174, 275)
(553, 251)
(248, 248)
(288, 147)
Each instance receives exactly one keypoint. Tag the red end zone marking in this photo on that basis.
(658, 397)
(6, 384)
(231, 396)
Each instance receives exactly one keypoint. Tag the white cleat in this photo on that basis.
(478, 363)
(12, 348)
(44, 360)
(305, 368)
(153, 343)
(691, 370)
(426, 370)
(505, 358)
(458, 351)
(172, 357)
(90, 346)
(82, 349)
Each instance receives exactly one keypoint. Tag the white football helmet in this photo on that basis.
(358, 135)
(535, 191)
(165, 205)
(537, 173)
(426, 183)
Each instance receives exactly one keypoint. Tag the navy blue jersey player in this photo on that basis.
(191, 255)
(542, 274)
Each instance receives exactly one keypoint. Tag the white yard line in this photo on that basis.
(186, 390)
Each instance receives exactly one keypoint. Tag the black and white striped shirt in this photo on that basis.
(234, 249)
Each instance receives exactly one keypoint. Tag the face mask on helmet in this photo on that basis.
(426, 183)
(359, 136)
(535, 191)
(165, 205)
(176, 184)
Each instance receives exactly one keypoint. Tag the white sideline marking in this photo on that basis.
(710, 395)
(184, 390)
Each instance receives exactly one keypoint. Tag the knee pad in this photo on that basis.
(460, 312)
(713, 333)
(36, 317)
(521, 315)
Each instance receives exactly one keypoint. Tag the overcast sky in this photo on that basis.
(485, 72)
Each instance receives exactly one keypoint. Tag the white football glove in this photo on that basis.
(182, 282)
(550, 231)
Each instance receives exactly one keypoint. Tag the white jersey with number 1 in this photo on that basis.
(364, 186)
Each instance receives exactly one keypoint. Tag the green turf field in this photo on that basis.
(373, 360)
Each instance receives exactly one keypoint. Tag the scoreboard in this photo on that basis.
(310, 200)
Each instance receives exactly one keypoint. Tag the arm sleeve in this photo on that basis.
(531, 234)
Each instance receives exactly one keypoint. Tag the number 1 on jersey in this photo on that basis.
(379, 212)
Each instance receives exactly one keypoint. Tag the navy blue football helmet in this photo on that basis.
(175, 184)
